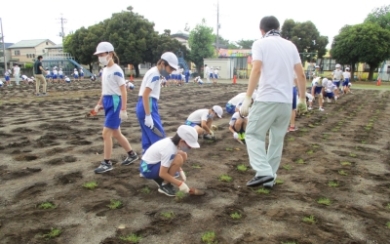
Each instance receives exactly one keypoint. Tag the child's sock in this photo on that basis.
(130, 153)
(107, 161)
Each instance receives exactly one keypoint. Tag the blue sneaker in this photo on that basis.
(104, 167)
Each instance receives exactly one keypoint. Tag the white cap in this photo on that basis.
(218, 110)
(171, 59)
(338, 66)
(189, 135)
(104, 47)
(347, 68)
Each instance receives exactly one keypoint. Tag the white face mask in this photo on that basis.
(104, 60)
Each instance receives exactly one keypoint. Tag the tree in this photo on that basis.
(381, 16)
(201, 43)
(306, 37)
(367, 42)
(245, 44)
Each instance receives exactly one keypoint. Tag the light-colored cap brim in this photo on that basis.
(193, 145)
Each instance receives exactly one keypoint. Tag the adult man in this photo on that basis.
(207, 73)
(40, 79)
(274, 61)
(17, 74)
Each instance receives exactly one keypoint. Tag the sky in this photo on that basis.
(238, 19)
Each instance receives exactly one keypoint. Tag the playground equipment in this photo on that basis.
(182, 62)
(64, 61)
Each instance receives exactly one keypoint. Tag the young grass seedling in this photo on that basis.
(229, 149)
(315, 146)
(388, 206)
(54, 232)
(352, 155)
(263, 191)
(47, 205)
(145, 190)
(114, 204)
(225, 178)
(90, 185)
(343, 173)
(310, 152)
(364, 142)
(132, 238)
(279, 181)
(196, 166)
(180, 195)
(242, 167)
(324, 201)
(333, 184)
(300, 161)
(209, 237)
(167, 215)
(236, 215)
(287, 167)
(290, 138)
(310, 219)
(345, 163)
(388, 224)
(304, 130)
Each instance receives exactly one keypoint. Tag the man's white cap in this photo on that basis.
(347, 68)
(218, 110)
(338, 66)
(171, 59)
(104, 47)
(189, 135)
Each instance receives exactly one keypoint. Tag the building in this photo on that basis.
(26, 51)
(54, 50)
(182, 38)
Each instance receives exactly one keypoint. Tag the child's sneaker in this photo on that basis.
(292, 128)
(130, 159)
(104, 167)
(167, 189)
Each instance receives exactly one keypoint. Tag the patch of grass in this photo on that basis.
(310, 219)
(325, 137)
(335, 130)
(363, 142)
(279, 181)
(167, 215)
(333, 184)
(303, 130)
(287, 167)
(145, 190)
(235, 215)
(388, 224)
(310, 152)
(388, 206)
(346, 163)
(311, 126)
(315, 146)
(54, 232)
(180, 195)
(242, 167)
(352, 155)
(229, 149)
(263, 191)
(115, 204)
(209, 237)
(132, 238)
(225, 178)
(324, 201)
(196, 166)
(290, 138)
(90, 185)
(47, 205)
(300, 161)
(343, 173)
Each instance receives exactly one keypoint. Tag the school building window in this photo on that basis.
(28, 55)
(17, 52)
(328, 64)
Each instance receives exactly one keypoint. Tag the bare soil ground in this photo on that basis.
(49, 149)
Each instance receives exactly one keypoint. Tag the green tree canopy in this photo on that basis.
(306, 37)
(381, 16)
(245, 44)
(201, 43)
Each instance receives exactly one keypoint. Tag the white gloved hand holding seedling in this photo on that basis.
(183, 187)
(235, 135)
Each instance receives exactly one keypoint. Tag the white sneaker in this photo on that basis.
(321, 109)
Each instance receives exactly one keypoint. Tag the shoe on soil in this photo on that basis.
(104, 167)
(208, 137)
(44, 94)
(321, 109)
(130, 159)
(271, 183)
(292, 129)
(167, 189)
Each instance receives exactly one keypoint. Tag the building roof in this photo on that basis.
(7, 45)
(28, 43)
(57, 46)
(180, 35)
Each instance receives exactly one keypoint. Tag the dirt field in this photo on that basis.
(336, 168)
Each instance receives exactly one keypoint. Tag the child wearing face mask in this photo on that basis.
(202, 120)
(114, 102)
(149, 94)
(162, 160)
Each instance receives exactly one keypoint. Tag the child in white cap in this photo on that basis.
(202, 120)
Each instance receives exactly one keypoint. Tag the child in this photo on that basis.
(149, 94)
(232, 103)
(198, 80)
(129, 85)
(55, 73)
(164, 159)
(81, 73)
(349, 87)
(310, 99)
(93, 77)
(216, 75)
(316, 90)
(61, 74)
(67, 79)
(1, 83)
(76, 75)
(26, 79)
(347, 77)
(292, 126)
(7, 77)
(337, 77)
(329, 88)
(48, 74)
(202, 120)
(114, 102)
(163, 81)
(237, 126)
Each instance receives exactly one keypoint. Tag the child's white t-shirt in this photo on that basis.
(199, 115)
(113, 78)
(234, 118)
(163, 151)
(151, 80)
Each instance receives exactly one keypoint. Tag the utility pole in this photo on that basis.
(218, 26)
(2, 40)
(62, 33)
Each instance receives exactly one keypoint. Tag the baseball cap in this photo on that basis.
(189, 135)
(104, 47)
(347, 68)
(171, 59)
(218, 110)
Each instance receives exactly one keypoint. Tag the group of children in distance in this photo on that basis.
(7, 78)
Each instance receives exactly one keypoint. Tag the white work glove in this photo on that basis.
(235, 135)
(149, 121)
(123, 115)
(244, 109)
(97, 108)
(183, 187)
(183, 175)
(302, 106)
